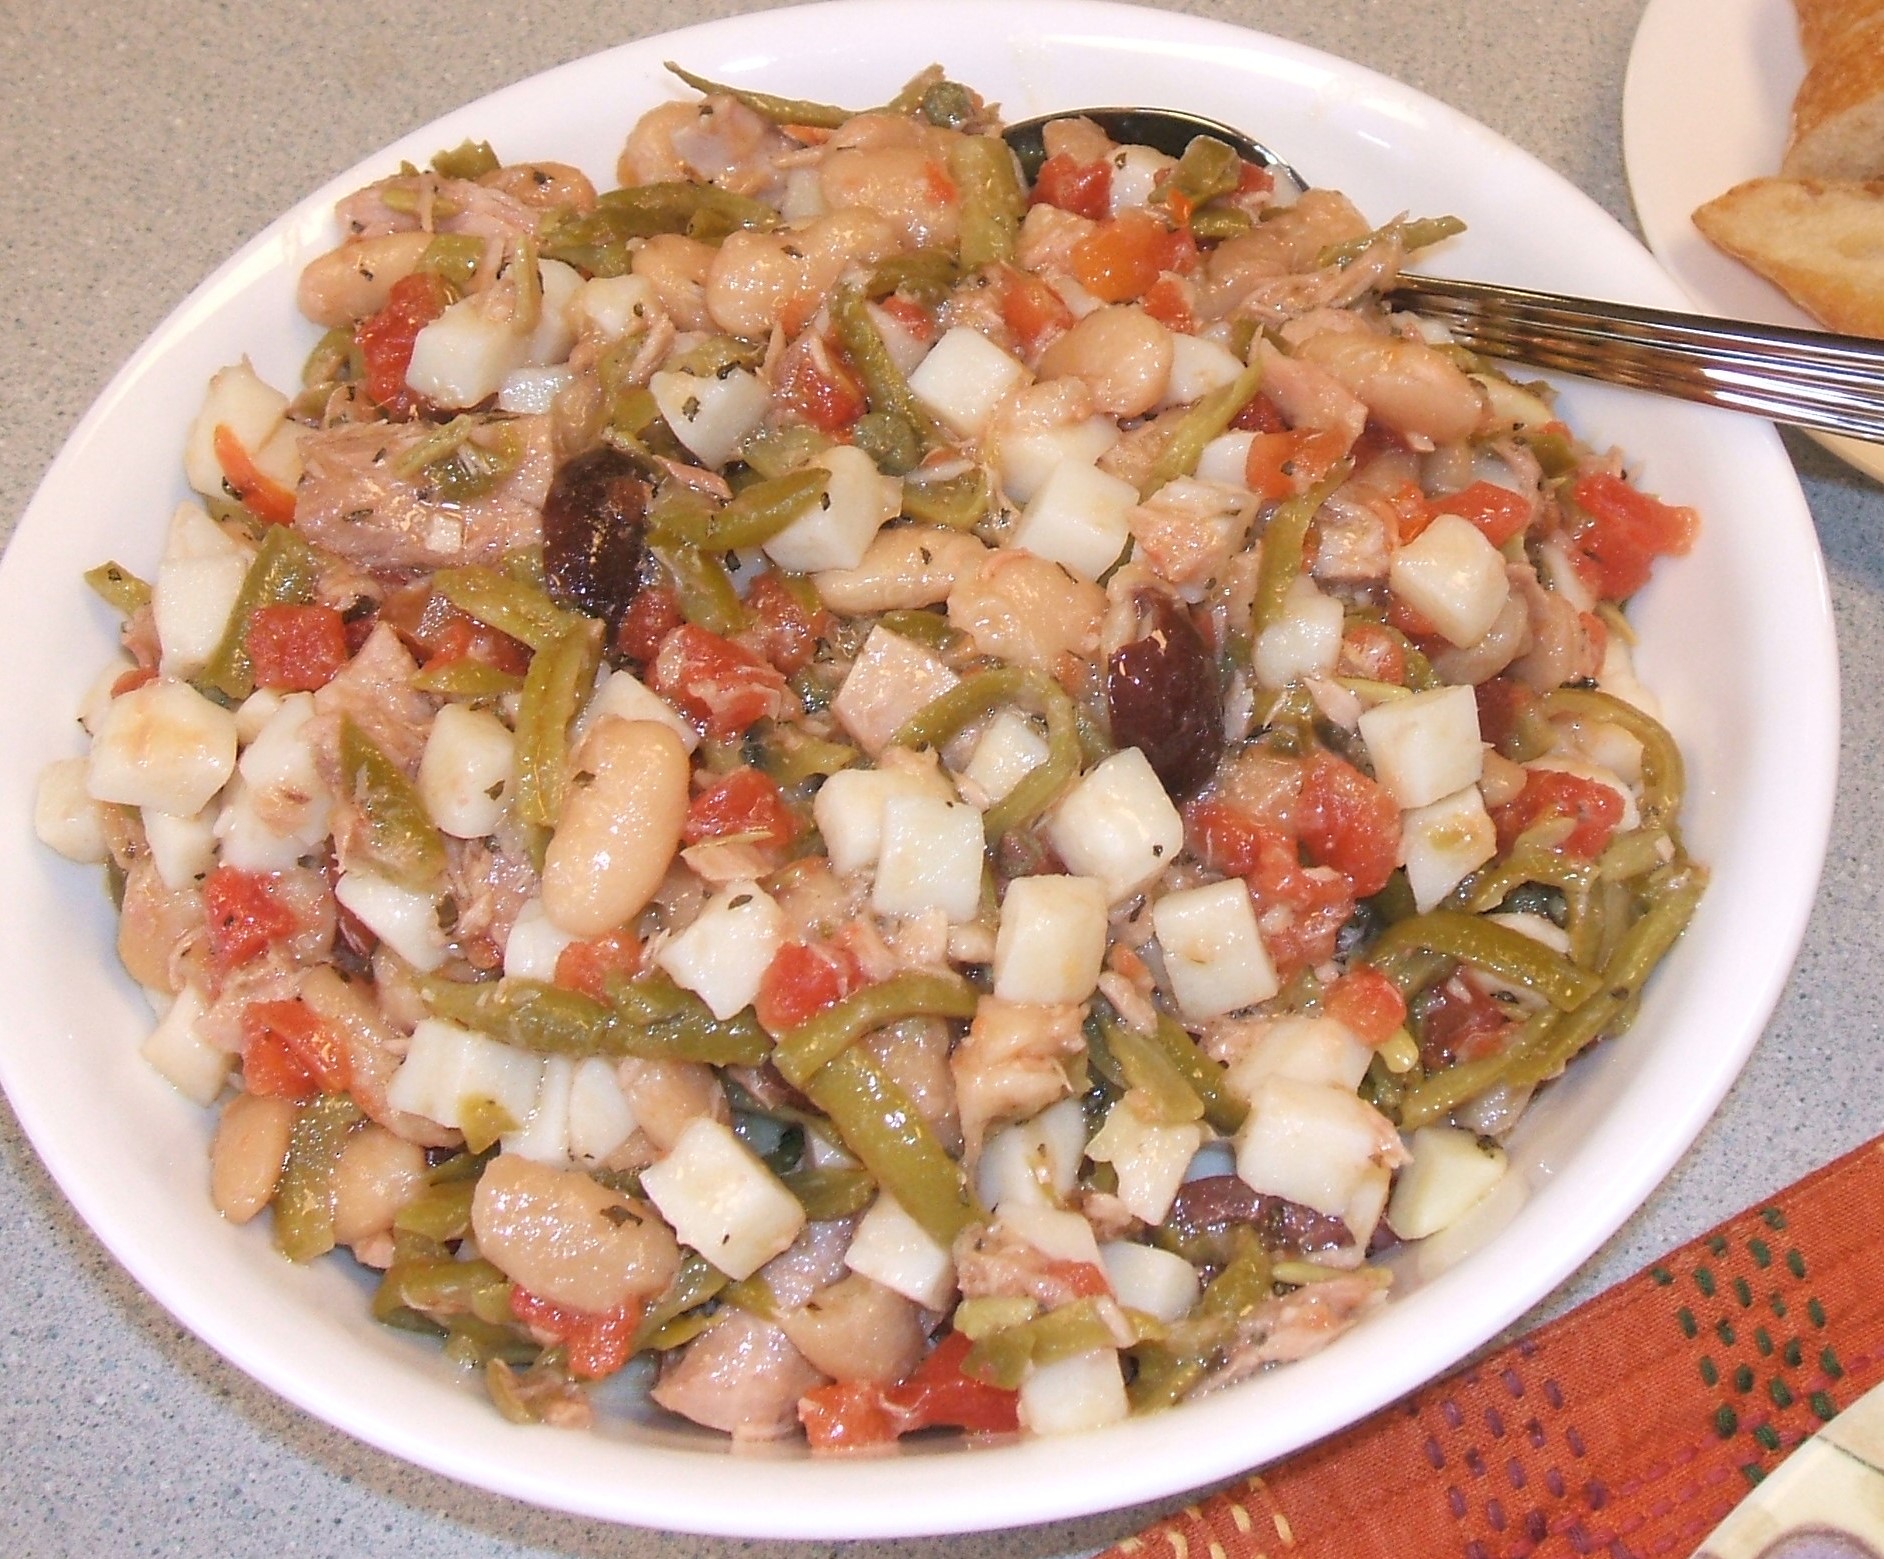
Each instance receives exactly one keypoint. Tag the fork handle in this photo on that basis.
(1806, 378)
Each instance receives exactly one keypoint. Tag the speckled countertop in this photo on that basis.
(140, 143)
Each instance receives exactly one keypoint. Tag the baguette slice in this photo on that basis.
(1838, 114)
(1820, 241)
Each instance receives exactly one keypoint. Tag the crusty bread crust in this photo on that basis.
(1838, 114)
(1820, 241)
(1821, 22)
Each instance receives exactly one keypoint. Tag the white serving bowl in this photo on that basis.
(1736, 640)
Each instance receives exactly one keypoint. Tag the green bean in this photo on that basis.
(1631, 854)
(758, 514)
(527, 1396)
(558, 680)
(1207, 169)
(283, 574)
(1222, 1109)
(1527, 862)
(774, 452)
(892, 443)
(791, 755)
(991, 202)
(958, 502)
(1143, 1065)
(118, 587)
(701, 211)
(1487, 945)
(454, 256)
(820, 1039)
(926, 275)
(500, 601)
(439, 1212)
(1410, 234)
(1004, 1357)
(444, 1287)
(304, 1196)
(921, 625)
(708, 598)
(472, 1343)
(826, 1194)
(1170, 1367)
(1662, 778)
(878, 1124)
(335, 357)
(530, 1014)
(697, 1281)
(696, 1035)
(1213, 412)
(1220, 220)
(398, 838)
(469, 159)
(883, 381)
(592, 244)
(1436, 1096)
(779, 110)
(465, 679)
(1284, 542)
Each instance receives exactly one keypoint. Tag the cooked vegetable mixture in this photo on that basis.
(891, 791)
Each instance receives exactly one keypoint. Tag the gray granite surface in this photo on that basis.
(141, 142)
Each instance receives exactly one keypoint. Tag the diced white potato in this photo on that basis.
(722, 1201)
(930, 856)
(1158, 1282)
(1368, 1204)
(530, 390)
(1198, 366)
(964, 378)
(448, 1069)
(623, 693)
(1117, 824)
(1225, 460)
(254, 712)
(711, 416)
(464, 355)
(192, 1065)
(891, 679)
(242, 835)
(1213, 949)
(1136, 171)
(1009, 749)
(196, 587)
(1445, 841)
(614, 306)
(163, 746)
(66, 817)
(600, 1119)
(252, 410)
(1451, 1172)
(1055, 1232)
(1557, 763)
(1453, 577)
(723, 955)
(1052, 939)
(1035, 1160)
(1304, 1049)
(544, 1134)
(1068, 1396)
(465, 770)
(183, 849)
(556, 319)
(891, 1248)
(1149, 1157)
(1025, 460)
(1425, 746)
(836, 530)
(401, 917)
(1077, 518)
(1309, 1143)
(1303, 641)
(278, 807)
(848, 810)
(534, 944)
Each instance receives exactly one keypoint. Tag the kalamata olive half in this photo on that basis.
(592, 533)
(1163, 696)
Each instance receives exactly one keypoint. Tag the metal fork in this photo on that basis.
(1810, 379)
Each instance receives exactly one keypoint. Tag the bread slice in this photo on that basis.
(1821, 22)
(1819, 241)
(1838, 114)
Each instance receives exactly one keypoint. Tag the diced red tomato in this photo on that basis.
(242, 915)
(1349, 822)
(1280, 465)
(1077, 1279)
(1084, 188)
(744, 802)
(910, 314)
(1122, 257)
(1301, 912)
(1413, 623)
(1373, 651)
(1259, 415)
(801, 981)
(1621, 532)
(1462, 1023)
(721, 686)
(1368, 1003)
(819, 386)
(1169, 300)
(261, 495)
(1225, 838)
(1032, 310)
(1496, 512)
(295, 649)
(784, 629)
(1503, 703)
(133, 679)
(438, 633)
(846, 1415)
(598, 1343)
(936, 1393)
(385, 339)
(1595, 809)
(651, 616)
(588, 966)
(289, 1053)
(1255, 179)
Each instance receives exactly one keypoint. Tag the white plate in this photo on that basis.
(1736, 639)
(1706, 105)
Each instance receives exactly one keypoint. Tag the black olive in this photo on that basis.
(592, 541)
(1164, 699)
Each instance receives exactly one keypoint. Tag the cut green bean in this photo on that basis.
(398, 838)
(1144, 1066)
(883, 382)
(1487, 945)
(958, 502)
(779, 110)
(1213, 412)
(701, 211)
(1284, 544)
(925, 275)
(826, 1194)
(559, 678)
(1222, 1109)
(1006, 1356)
(283, 574)
(820, 1039)
(501, 601)
(1662, 777)
(697, 1281)
(304, 1195)
(758, 514)
(465, 679)
(469, 159)
(990, 199)
(118, 587)
(708, 598)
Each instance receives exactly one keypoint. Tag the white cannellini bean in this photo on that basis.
(377, 1174)
(466, 770)
(619, 831)
(355, 280)
(248, 1152)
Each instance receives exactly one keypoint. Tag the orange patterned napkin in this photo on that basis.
(1628, 1428)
